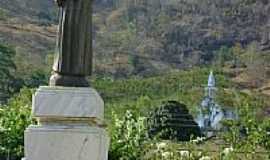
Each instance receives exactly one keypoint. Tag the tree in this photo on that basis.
(223, 55)
(37, 78)
(7, 68)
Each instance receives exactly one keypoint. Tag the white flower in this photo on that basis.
(199, 154)
(205, 158)
(2, 129)
(167, 155)
(161, 145)
(194, 141)
(227, 151)
(198, 140)
(184, 154)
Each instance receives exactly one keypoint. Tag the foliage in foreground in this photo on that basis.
(14, 118)
(131, 142)
(127, 136)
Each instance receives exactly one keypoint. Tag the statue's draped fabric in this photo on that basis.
(74, 45)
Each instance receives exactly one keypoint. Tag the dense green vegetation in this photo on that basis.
(134, 98)
(148, 52)
(15, 73)
(7, 67)
(14, 118)
(177, 85)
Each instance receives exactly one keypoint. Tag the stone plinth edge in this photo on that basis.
(70, 125)
(67, 102)
(66, 143)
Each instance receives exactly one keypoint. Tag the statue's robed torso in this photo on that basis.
(74, 45)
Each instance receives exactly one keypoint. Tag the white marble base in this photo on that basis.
(66, 143)
(70, 125)
(67, 102)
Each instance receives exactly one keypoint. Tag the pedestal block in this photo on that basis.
(70, 125)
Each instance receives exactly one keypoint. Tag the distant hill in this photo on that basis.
(35, 11)
(143, 37)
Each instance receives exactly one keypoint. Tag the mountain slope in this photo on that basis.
(30, 10)
(144, 37)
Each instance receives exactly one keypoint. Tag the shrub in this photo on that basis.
(172, 121)
(7, 68)
(127, 136)
(166, 150)
(14, 118)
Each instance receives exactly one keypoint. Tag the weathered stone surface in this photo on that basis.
(67, 102)
(70, 125)
(66, 143)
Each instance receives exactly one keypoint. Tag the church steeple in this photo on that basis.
(211, 80)
(211, 86)
(210, 113)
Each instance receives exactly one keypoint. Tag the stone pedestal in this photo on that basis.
(70, 125)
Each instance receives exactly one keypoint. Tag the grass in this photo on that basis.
(145, 93)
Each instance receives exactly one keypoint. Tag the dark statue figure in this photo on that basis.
(73, 61)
